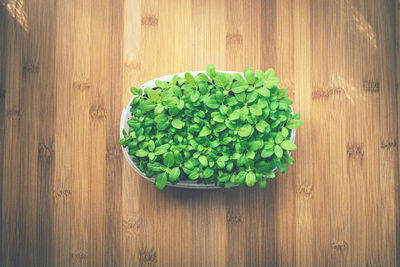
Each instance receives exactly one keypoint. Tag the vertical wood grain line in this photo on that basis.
(11, 217)
(397, 182)
(3, 72)
(46, 124)
(304, 179)
(113, 184)
(266, 212)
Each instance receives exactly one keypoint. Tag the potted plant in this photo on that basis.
(210, 129)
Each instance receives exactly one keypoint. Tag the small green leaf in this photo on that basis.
(234, 115)
(204, 131)
(212, 103)
(136, 91)
(278, 151)
(208, 173)
(189, 78)
(141, 153)
(202, 77)
(245, 131)
(153, 95)
(211, 70)
(260, 126)
(223, 109)
(194, 175)
(151, 146)
(256, 145)
(239, 87)
(250, 179)
(174, 174)
(169, 159)
(203, 161)
(180, 104)
(288, 145)
(262, 183)
(195, 96)
(294, 124)
(263, 91)
(161, 181)
(177, 124)
(285, 132)
(266, 153)
(269, 73)
(255, 110)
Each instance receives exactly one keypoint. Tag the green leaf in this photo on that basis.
(249, 75)
(294, 124)
(239, 86)
(141, 153)
(223, 109)
(245, 131)
(278, 151)
(169, 159)
(262, 183)
(208, 173)
(264, 91)
(177, 124)
(278, 138)
(296, 115)
(189, 78)
(269, 174)
(161, 181)
(212, 103)
(195, 96)
(269, 73)
(204, 131)
(153, 95)
(219, 128)
(288, 145)
(285, 132)
(151, 146)
(180, 104)
(161, 84)
(219, 118)
(211, 70)
(234, 115)
(255, 110)
(260, 126)
(194, 175)
(203, 161)
(174, 174)
(220, 80)
(266, 153)
(256, 145)
(136, 91)
(250, 179)
(202, 77)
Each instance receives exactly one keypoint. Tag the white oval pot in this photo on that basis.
(126, 116)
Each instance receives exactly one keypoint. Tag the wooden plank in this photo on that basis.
(69, 198)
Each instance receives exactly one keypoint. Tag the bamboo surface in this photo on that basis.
(69, 198)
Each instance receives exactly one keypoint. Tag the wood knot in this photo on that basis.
(14, 113)
(149, 20)
(30, 68)
(62, 193)
(389, 144)
(320, 94)
(371, 86)
(113, 151)
(305, 191)
(97, 112)
(131, 225)
(80, 255)
(81, 86)
(339, 245)
(147, 256)
(45, 150)
(355, 151)
(232, 38)
(234, 219)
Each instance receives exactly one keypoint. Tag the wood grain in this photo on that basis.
(69, 198)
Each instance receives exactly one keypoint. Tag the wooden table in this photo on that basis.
(69, 198)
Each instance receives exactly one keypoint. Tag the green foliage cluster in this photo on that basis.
(214, 128)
